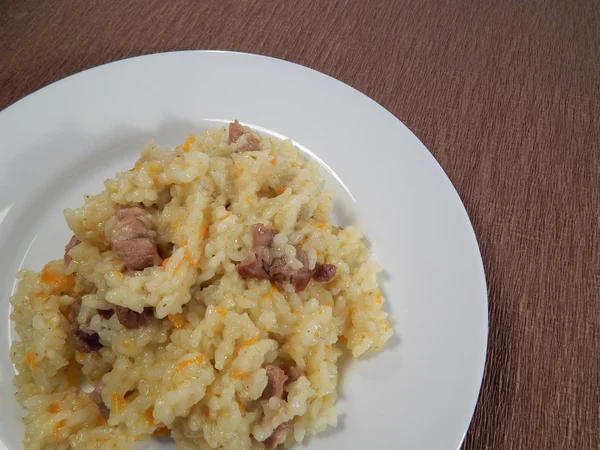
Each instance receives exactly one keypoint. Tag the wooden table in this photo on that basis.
(504, 93)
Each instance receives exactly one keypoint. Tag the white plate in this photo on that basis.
(64, 140)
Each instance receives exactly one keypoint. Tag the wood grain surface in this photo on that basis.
(504, 93)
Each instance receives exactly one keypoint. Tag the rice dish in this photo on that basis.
(205, 296)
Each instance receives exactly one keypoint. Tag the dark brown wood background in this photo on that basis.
(504, 93)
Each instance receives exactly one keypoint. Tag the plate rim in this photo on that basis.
(31, 97)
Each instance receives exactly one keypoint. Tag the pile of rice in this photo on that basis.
(196, 372)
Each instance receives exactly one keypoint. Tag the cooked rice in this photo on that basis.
(196, 372)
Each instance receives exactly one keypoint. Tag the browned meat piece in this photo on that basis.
(72, 243)
(136, 211)
(84, 342)
(324, 272)
(106, 313)
(276, 379)
(131, 319)
(236, 130)
(278, 437)
(294, 373)
(280, 269)
(138, 253)
(262, 264)
(252, 267)
(261, 235)
(131, 239)
(83, 339)
(252, 144)
(96, 397)
(244, 137)
(301, 277)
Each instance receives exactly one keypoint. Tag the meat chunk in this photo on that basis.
(106, 313)
(248, 143)
(131, 319)
(263, 264)
(252, 267)
(96, 397)
(276, 378)
(243, 137)
(236, 130)
(278, 437)
(84, 340)
(72, 243)
(301, 277)
(324, 272)
(281, 270)
(262, 236)
(136, 211)
(132, 240)
(294, 373)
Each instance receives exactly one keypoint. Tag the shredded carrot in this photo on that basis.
(183, 364)
(293, 164)
(189, 141)
(70, 280)
(57, 426)
(178, 266)
(238, 374)
(119, 275)
(240, 406)
(274, 161)
(118, 402)
(240, 170)
(126, 345)
(73, 373)
(30, 361)
(250, 342)
(177, 320)
(100, 420)
(222, 311)
(160, 432)
(202, 232)
(149, 416)
(205, 410)
(325, 400)
(274, 289)
(330, 304)
(58, 282)
(164, 263)
(280, 190)
(267, 296)
(54, 408)
(48, 276)
(323, 225)
(248, 198)
(329, 347)
(43, 296)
